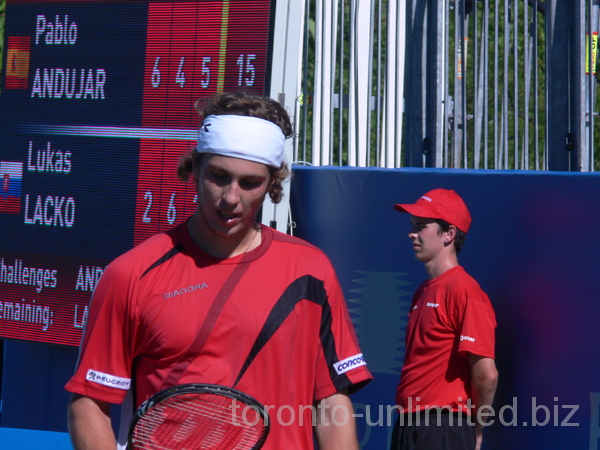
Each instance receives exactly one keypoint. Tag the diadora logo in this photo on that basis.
(183, 291)
(429, 199)
(349, 364)
(433, 305)
(467, 338)
(108, 380)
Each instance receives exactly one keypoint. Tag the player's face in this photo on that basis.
(426, 237)
(230, 193)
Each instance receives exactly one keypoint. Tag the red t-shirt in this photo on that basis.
(450, 317)
(285, 328)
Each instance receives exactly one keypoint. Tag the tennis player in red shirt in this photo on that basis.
(282, 334)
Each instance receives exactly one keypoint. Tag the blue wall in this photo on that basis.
(33, 397)
(32, 394)
(534, 248)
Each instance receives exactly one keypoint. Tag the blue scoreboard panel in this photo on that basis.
(96, 106)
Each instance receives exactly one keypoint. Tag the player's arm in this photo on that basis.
(484, 379)
(335, 424)
(89, 424)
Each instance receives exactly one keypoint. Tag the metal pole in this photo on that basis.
(457, 109)
(505, 87)
(579, 89)
(536, 127)
(447, 99)
(486, 65)
(516, 80)
(592, 16)
(341, 72)
(527, 68)
(496, 86)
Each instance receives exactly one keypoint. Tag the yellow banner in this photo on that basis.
(593, 52)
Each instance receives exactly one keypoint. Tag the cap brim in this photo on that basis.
(400, 207)
(415, 210)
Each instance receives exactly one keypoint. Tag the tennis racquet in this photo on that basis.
(199, 416)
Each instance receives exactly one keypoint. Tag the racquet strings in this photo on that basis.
(199, 421)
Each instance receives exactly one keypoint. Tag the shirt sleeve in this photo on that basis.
(105, 359)
(343, 365)
(478, 325)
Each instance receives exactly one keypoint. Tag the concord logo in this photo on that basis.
(183, 291)
(349, 364)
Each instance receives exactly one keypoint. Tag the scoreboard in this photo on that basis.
(96, 106)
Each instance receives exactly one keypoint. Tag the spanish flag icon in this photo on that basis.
(17, 62)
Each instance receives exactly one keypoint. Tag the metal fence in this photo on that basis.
(485, 84)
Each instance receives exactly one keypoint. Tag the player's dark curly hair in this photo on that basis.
(460, 237)
(242, 104)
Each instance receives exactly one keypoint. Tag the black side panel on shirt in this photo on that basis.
(174, 251)
(307, 288)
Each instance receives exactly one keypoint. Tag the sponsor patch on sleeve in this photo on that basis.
(349, 363)
(108, 380)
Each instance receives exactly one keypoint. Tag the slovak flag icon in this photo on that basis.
(12, 178)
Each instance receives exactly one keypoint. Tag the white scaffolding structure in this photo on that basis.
(479, 84)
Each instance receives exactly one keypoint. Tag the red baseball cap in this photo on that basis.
(441, 204)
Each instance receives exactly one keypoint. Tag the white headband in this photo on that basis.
(242, 137)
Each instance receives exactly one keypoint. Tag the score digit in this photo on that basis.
(172, 211)
(246, 66)
(146, 218)
(250, 69)
(156, 73)
(180, 78)
(205, 81)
